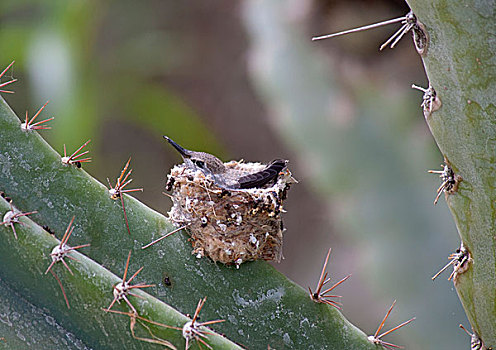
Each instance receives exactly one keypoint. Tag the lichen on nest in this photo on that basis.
(230, 225)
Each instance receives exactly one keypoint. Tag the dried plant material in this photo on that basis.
(230, 225)
(233, 210)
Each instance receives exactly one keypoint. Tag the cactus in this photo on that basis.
(460, 66)
(463, 126)
(260, 306)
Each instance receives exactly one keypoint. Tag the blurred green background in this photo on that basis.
(243, 80)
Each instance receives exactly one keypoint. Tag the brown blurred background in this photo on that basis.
(243, 80)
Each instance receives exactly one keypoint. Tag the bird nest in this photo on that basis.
(230, 226)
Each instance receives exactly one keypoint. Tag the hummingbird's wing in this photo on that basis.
(259, 179)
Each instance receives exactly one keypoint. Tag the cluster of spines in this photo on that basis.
(324, 297)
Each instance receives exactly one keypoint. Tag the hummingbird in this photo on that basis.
(227, 177)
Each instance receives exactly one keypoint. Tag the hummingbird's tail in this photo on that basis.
(263, 177)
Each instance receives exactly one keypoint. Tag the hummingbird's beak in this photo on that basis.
(184, 152)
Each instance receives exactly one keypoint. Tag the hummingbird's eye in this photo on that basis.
(199, 163)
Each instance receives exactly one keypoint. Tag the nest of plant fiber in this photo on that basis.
(230, 226)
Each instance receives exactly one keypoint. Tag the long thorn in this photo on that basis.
(61, 287)
(198, 309)
(123, 171)
(164, 236)
(397, 327)
(67, 266)
(35, 125)
(359, 29)
(132, 190)
(125, 214)
(77, 247)
(439, 193)
(79, 149)
(455, 270)
(140, 286)
(75, 157)
(142, 319)
(390, 346)
(6, 69)
(323, 274)
(37, 113)
(406, 28)
(135, 274)
(207, 323)
(127, 266)
(384, 320)
(398, 34)
(13, 229)
(50, 267)
(168, 195)
(66, 235)
(443, 269)
(335, 285)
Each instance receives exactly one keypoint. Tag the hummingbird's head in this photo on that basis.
(206, 162)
